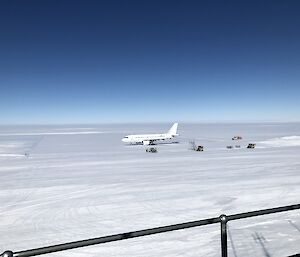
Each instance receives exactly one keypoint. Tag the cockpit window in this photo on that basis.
(125, 137)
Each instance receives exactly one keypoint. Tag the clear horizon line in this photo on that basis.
(149, 122)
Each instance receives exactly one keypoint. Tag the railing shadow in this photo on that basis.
(260, 239)
(231, 242)
(294, 225)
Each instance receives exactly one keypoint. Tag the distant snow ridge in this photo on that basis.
(283, 141)
(53, 133)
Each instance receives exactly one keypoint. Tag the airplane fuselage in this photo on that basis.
(148, 139)
(151, 139)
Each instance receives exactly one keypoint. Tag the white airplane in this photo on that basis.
(152, 139)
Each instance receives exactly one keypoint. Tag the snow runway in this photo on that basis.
(80, 185)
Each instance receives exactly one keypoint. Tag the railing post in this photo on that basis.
(223, 220)
(7, 254)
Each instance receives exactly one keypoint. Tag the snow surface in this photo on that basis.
(80, 182)
(283, 141)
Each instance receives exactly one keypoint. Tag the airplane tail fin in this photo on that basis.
(173, 129)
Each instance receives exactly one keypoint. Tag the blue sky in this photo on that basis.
(149, 61)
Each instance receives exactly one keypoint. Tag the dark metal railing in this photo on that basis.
(223, 219)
